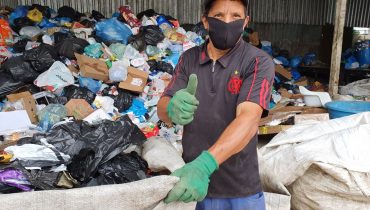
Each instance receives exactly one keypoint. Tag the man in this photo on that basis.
(221, 113)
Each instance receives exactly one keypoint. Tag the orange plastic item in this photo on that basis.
(6, 35)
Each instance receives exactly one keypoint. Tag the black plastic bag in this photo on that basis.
(8, 85)
(188, 26)
(97, 15)
(73, 92)
(68, 12)
(138, 42)
(61, 36)
(123, 168)
(162, 66)
(70, 46)
(41, 57)
(152, 34)
(20, 46)
(152, 63)
(19, 23)
(200, 30)
(20, 69)
(88, 23)
(122, 101)
(148, 13)
(93, 145)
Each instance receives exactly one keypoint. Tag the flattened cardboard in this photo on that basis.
(283, 72)
(28, 101)
(133, 76)
(93, 68)
(79, 108)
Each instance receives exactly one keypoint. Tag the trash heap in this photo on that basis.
(357, 57)
(288, 78)
(79, 89)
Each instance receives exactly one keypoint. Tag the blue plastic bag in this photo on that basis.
(351, 63)
(295, 61)
(267, 49)
(89, 83)
(173, 59)
(137, 108)
(45, 23)
(309, 59)
(363, 54)
(19, 12)
(296, 75)
(113, 30)
(51, 115)
(283, 60)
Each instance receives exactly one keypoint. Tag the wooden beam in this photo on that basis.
(340, 17)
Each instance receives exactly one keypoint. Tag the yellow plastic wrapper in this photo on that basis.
(5, 157)
(35, 15)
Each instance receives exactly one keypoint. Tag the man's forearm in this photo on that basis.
(236, 136)
(162, 110)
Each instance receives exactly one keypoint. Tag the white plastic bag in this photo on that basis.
(118, 72)
(161, 155)
(106, 103)
(58, 76)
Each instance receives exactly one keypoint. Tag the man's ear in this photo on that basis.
(246, 22)
(205, 22)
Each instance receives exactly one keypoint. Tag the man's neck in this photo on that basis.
(215, 53)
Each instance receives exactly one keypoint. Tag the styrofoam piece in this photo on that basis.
(314, 99)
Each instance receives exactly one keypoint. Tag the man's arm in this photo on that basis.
(239, 133)
(162, 110)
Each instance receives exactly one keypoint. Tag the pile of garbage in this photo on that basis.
(357, 57)
(78, 94)
(288, 79)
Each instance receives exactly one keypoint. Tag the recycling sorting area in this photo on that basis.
(78, 115)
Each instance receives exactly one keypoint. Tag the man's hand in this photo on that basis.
(183, 104)
(194, 179)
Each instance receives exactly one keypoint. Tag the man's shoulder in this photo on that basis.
(254, 52)
(192, 53)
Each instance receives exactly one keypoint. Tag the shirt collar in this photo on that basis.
(224, 60)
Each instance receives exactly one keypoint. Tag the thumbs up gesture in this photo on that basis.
(183, 104)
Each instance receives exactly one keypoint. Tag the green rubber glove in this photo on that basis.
(194, 179)
(183, 104)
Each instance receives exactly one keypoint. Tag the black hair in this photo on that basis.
(208, 4)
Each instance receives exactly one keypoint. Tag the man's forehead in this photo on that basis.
(228, 6)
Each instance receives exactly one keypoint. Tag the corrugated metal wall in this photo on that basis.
(187, 11)
(308, 12)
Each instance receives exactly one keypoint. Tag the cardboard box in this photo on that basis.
(136, 80)
(302, 82)
(283, 72)
(29, 104)
(78, 108)
(273, 129)
(93, 68)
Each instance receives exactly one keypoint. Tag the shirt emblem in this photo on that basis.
(235, 83)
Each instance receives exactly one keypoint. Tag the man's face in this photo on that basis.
(227, 11)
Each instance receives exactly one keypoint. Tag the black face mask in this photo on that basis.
(225, 35)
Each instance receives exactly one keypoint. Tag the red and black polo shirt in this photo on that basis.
(245, 73)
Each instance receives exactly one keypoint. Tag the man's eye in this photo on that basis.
(218, 15)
